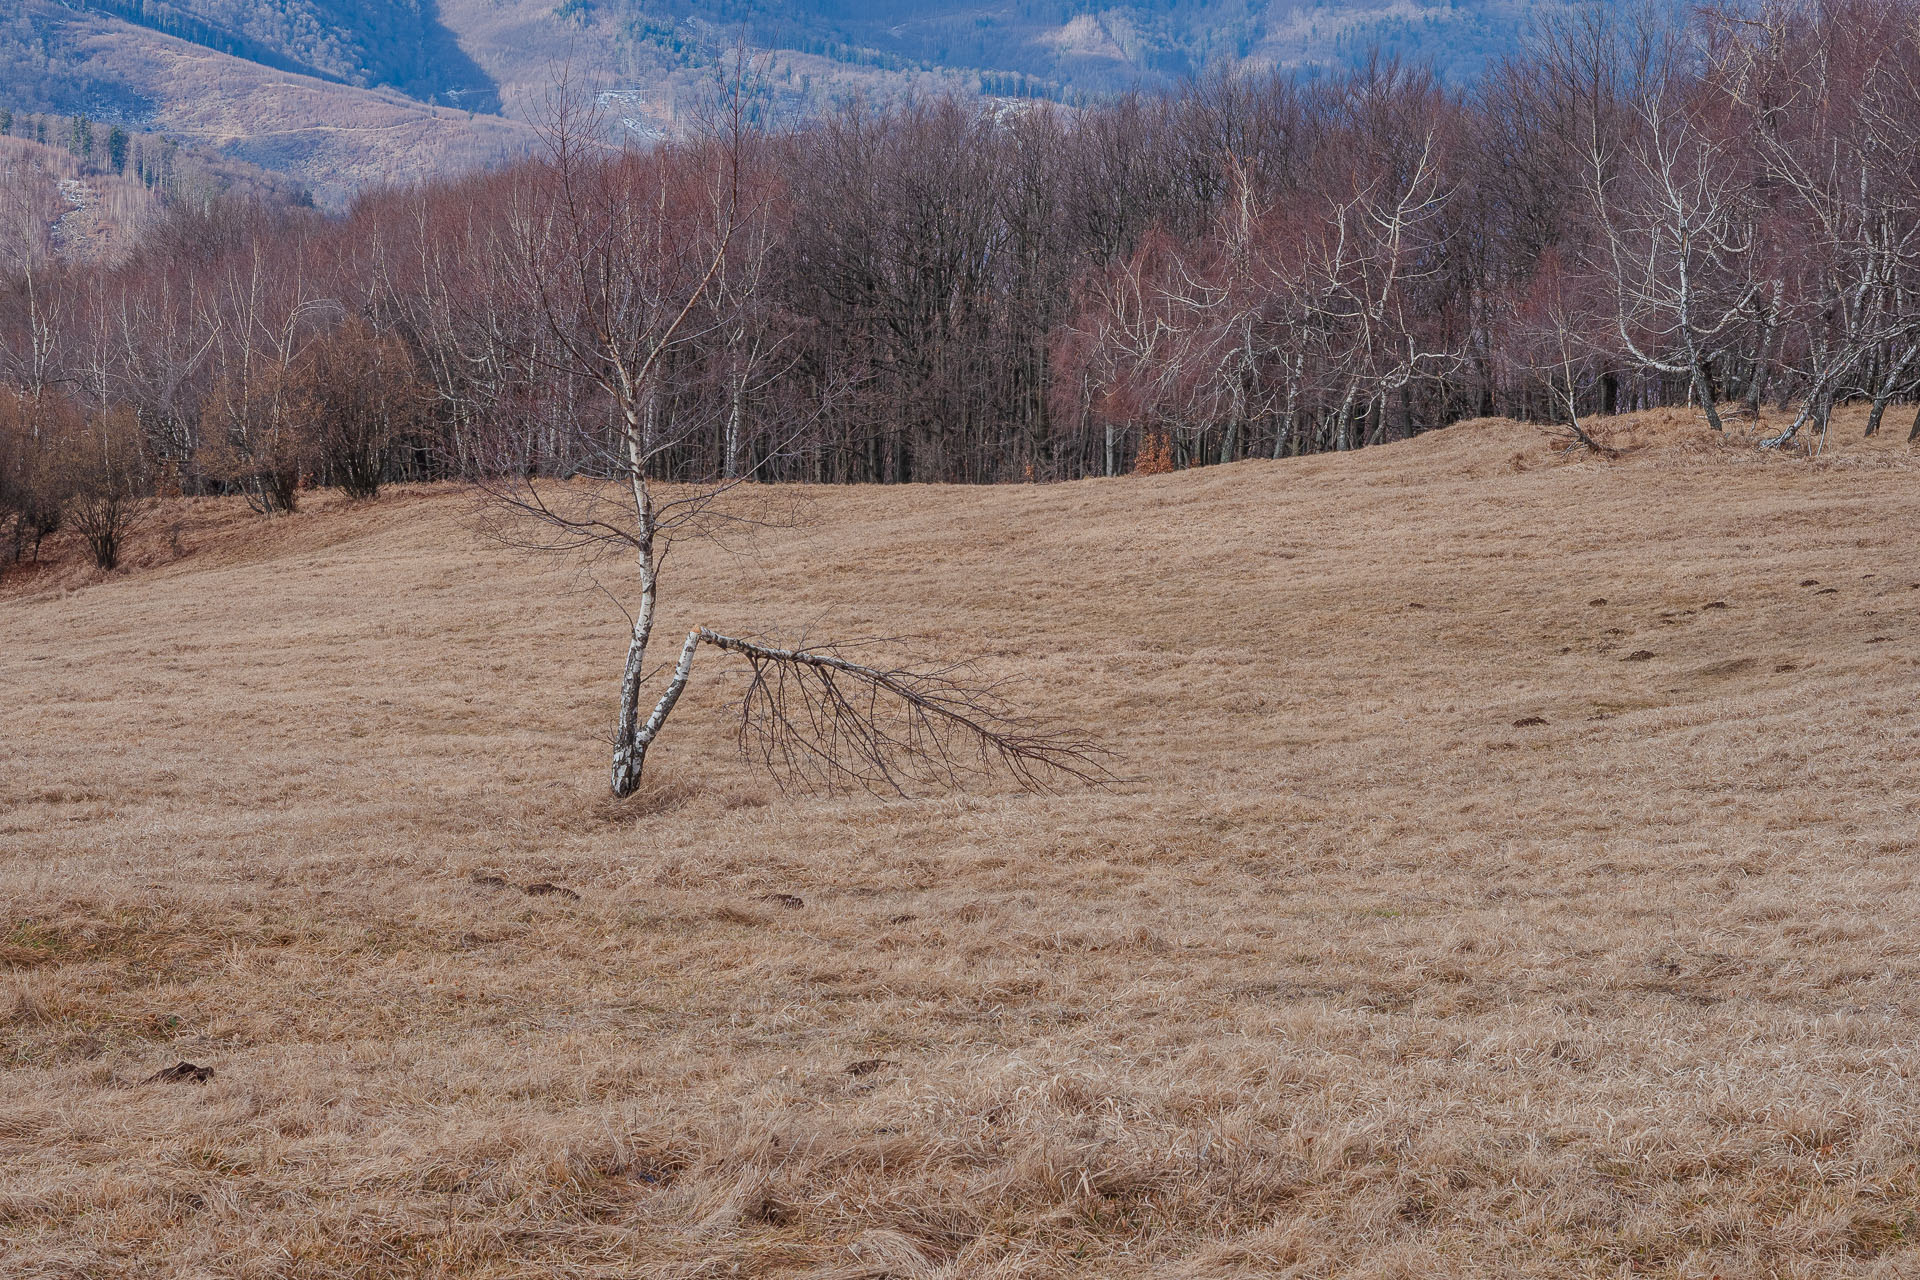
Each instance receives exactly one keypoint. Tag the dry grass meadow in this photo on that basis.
(1441, 934)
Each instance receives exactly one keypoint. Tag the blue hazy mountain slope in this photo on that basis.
(400, 44)
(340, 93)
(1074, 47)
(460, 52)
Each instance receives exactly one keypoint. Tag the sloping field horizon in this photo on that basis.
(1515, 876)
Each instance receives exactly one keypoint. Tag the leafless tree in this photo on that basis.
(1834, 100)
(621, 255)
(108, 482)
(1375, 250)
(1676, 234)
(1136, 340)
(34, 430)
(1554, 340)
(356, 394)
(268, 317)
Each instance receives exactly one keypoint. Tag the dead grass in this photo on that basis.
(1436, 940)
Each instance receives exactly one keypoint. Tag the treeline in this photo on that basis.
(957, 292)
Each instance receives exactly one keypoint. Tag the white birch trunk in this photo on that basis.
(629, 747)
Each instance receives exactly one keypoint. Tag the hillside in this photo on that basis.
(53, 206)
(76, 191)
(333, 138)
(1517, 878)
(341, 95)
(400, 44)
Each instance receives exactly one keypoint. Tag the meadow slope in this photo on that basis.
(1441, 934)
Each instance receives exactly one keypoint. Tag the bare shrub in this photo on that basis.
(109, 485)
(1156, 455)
(31, 482)
(257, 450)
(358, 394)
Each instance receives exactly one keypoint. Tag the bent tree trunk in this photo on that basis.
(1889, 384)
(1704, 389)
(630, 737)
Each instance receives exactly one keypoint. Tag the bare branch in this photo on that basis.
(819, 720)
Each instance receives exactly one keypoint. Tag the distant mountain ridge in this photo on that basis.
(342, 93)
(1090, 48)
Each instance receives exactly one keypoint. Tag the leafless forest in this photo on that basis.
(1623, 217)
(1408, 852)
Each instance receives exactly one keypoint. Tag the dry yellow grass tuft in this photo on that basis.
(1436, 939)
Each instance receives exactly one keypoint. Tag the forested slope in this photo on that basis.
(119, 60)
(955, 291)
(322, 132)
(82, 192)
(397, 43)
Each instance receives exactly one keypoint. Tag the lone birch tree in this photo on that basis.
(623, 257)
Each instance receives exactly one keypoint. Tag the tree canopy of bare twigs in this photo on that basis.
(629, 262)
(1622, 215)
